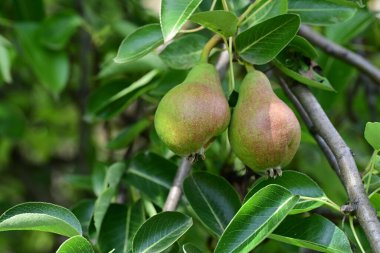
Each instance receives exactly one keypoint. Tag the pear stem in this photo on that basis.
(208, 47)
(249, 67)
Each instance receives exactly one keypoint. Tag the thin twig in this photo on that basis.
(349, 173)
(310, 125)
(341, 53)
(175, 193)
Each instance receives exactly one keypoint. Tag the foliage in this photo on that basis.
(79, 85)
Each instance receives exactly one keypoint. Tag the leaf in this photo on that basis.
(174, 14)
(51, 68)
(135, 218)
(262, 42)
(185, 52)
(265, 9)
(152, 175)
(358, 23)
(12, 122)
(83, 211)
(219, 21)
(322, 12)
(110, 99)
(112, 231)
(111, 181)
(128, 135)
(5, 60)
(40, 216)
(213, 199)
(298, 184)
(76, 244)
(256, 219)
(375, 201)
(190, 248)
(139, 43)
(372, 134)
(314, 232)
(161, 231)
(302, 46)
(56, 30)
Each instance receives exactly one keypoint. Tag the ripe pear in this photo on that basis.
(191, 114)
(264, 132)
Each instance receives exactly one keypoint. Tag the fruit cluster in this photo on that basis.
(263, 131)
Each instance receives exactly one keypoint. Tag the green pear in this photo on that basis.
(191, 114)
(264, 132)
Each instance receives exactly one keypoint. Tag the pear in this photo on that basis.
(194, 112)
(264, 132)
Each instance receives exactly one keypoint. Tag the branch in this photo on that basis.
(349, 173)
(342, 53)
(175, 192)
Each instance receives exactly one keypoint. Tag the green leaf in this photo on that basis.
(56, 30)
(322, 12)
(262, 42)
(265, 9)
(152, 175)
(83, 211)
(256, 219)
(5, 60)
(298, 184)
(111, 181)
(174, 14)
(314, 232)
(76, 244)
(219, 21)
(12, 122)
(127, 136)
(40, 216)
(112, 98)
(185, 52)
(112, 232)
(135, 218)
(190, 248)
(139, 43)
(372, 134)
(295, 62)
(161, 231)
(358, 23)
(375, 201)
(50, 67)
(213, 199)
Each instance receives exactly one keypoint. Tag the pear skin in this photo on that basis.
(264, 132)
(191, 114)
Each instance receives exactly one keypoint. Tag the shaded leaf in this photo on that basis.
(12, 122)
(219, 21)
(160, 232)
(185, 52)
(139, 43)
(5, 60)
(314, 232)
(76, 244)
(256, 219)
(322, 12)
(152, 175)
(101, 206)
(190, 248)
(174, 14)
(213, 199)
(40, 216)
(262, 42)
(135, 218)
(128, 135)
(84, 211)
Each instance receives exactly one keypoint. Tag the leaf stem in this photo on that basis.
(209, 46)
(225, 5)
(350, 219)
(231, 66)
(325, 201)
(247, 12)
